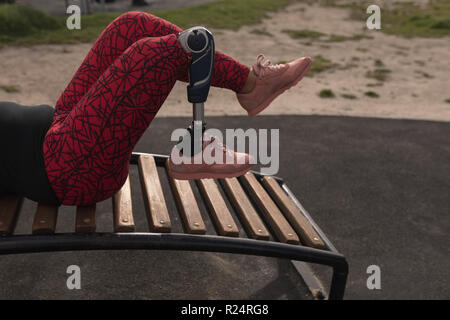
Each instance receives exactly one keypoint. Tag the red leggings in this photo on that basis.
(111, 100)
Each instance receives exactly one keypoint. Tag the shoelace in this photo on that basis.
(263, 69)
(221, 145)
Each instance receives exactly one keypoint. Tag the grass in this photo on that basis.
(420, 62)
(223, 14)
(336, 38)
(378, 84)
(326, 93)
(24, 25)
(406, 18)
(410, 20)
(348, 96)
(20, 21)
(320, 64)
(311, 34)
(341, 38)
(424, 74)
(9, 88)
(379, 63)
(348, 66)
(303, 33)
(261, 32)
(378, 74)
(372, 94)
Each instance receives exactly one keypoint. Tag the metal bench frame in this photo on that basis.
(298, 254)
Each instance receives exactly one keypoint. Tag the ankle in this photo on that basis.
(250, 83)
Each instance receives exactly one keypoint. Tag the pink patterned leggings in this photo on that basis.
(112, 99)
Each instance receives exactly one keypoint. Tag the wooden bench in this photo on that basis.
(274, 223)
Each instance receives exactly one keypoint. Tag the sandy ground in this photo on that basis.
(42, 72)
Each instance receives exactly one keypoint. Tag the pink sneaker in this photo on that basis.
(272, 81)
(188, 169)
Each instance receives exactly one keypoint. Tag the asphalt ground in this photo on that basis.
(378, 188)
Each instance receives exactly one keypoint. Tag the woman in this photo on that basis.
(79, 153)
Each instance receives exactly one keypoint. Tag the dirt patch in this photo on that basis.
(415, 87)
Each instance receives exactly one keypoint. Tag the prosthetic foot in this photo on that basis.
(190, 162)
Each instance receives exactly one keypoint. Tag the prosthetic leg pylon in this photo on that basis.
(198, 41)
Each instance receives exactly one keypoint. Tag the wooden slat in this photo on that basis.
(308, 235)
(123, 209)
(275, 218)
(157, 213)
(247, 213)
(85, 220)
(190, 213)
(45, 219)
(9, 211)
(225, 224)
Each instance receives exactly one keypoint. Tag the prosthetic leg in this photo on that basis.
(200, 43)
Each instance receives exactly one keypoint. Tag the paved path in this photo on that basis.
(379, 189)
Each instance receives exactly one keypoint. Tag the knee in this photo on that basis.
(149, 44)
(141, 44)
(162, 53)
(133, 16)
(129, 16)
(151, 48)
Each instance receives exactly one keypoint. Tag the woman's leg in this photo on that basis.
(87, 154)
(117, 37)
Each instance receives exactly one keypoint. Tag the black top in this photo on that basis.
(22, 169)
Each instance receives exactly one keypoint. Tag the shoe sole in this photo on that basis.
(204, 175)
(269, 100)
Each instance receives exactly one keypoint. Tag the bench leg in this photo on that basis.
(313, 283)
(315, 286)
(338, 283)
